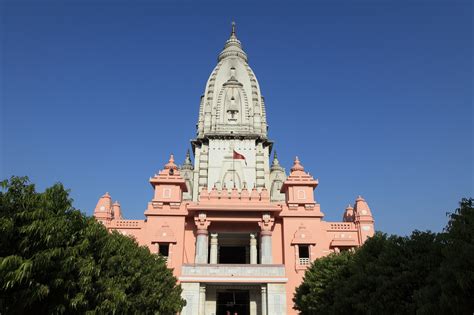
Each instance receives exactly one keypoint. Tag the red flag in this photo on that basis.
(238, 156)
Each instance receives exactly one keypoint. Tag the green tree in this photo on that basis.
(424, 273)
(451, 287)
(316, 294)
(385, 272)
(53, 259)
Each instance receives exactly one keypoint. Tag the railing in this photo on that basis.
(341, 226)
(127, 223)
(304, 261)
(233, 270)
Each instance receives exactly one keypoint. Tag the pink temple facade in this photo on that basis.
(237, 231)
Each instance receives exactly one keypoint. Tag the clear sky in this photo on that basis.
(375, 97)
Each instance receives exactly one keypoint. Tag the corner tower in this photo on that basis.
(231, 148)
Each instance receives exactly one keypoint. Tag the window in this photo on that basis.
(303, 251)
(164, 249)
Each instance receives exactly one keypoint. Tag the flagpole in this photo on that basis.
(233, 168)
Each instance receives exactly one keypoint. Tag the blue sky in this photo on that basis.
(375, 97)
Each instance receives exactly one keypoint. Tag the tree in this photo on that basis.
(53, 259)
(386, 271)
(424, 273)
(451, 287)
(316, 294)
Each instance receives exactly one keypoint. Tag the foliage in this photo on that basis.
(53, 259)
(451, 288)
(317, 291)
(424, 273)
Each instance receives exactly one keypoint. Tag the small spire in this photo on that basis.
(275, 159)
(232, 47)
(233, 29)
(297, 166)
(188, 164)
(187, 160)
(170, 164)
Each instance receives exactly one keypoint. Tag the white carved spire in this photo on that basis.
(232, 47)
(231, 112)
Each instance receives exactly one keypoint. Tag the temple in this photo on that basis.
(235, 228)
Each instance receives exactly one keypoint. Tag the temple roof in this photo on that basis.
(232, 104)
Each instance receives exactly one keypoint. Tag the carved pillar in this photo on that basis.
(253, 249)
(201, 239)
(202, 300)
(266, 239)
(264, 299)
(213, 254)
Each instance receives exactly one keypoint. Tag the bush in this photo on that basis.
(54, 259)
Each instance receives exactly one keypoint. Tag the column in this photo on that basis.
(201, 239)
(264, 299)
(266, 239)
(213, 254)
(201, 248)
(266, 247)
(202, 300)
(253, 249)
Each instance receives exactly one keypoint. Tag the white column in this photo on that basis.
(213, 254)
(266, 247)
(201, 239)
(202, 300)
(264, 299)
(253, 249)
(201, 247)
(266, 239)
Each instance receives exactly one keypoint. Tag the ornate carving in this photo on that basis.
(164, 234)
(202, 223)
(266, 224)
(302, 236)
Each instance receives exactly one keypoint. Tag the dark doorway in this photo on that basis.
(232, 255)
(233, 302)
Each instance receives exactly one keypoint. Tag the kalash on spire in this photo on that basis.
(230, 225)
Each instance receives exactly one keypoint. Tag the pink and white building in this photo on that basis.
(237, 230)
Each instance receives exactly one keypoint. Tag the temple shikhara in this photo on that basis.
(237, 230)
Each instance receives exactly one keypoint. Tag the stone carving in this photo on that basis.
(202, 223)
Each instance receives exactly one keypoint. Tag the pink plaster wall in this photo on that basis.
(299, 220)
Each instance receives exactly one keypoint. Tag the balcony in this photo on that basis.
(241, 273)
(304, 262)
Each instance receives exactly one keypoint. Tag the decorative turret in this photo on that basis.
(363, 219)
(276, 164)
(188, 165)
(298, 189)
(168, 185)
(117, 212)
(277, 177)
(187, 172)
(103, 209)
(348, 214)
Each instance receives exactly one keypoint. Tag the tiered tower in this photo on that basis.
(231, 148)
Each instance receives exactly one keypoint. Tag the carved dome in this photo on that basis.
(232, 103)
